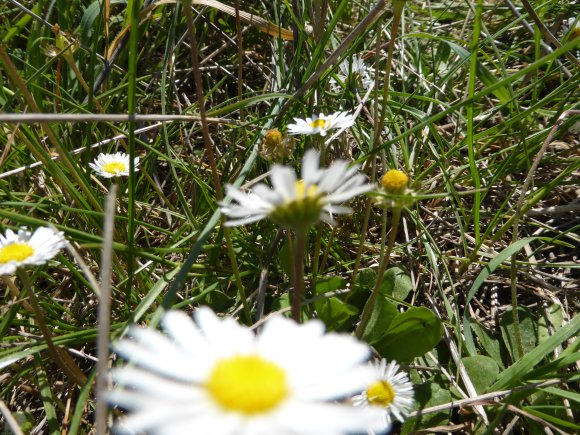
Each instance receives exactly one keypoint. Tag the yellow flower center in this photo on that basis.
(247, 384)
(319, 123)
(381, 393)
(114, 167)
(274, 136)
(395, 181)
(15, 252)
(303, 193)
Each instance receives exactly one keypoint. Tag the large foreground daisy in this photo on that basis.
(220, 378)
(113, 165)
(390, 391)
(25, 248)
(298, 203)
(320, 124)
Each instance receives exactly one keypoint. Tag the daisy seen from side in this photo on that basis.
(218, 377)
(321, 123)
(391, 390)
(28, 249)
(113, 165)
(352, 71)
(298, 203)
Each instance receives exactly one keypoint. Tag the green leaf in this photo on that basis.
(428, 394)
(490, 343)
(551, 320)
(528, 331)
(329, 284)
(334, 312)
(513, 374)
(366, 278)
(551, 418)
(487, 270)
(411, 334)
(396, 283)
(482, 370)
(46, 395)
(380, 319)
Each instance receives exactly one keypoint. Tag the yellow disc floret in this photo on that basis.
(395, 181)
(114, 167)
(15, 252)
(303, 193)
(303, 210)
(319, 123)
(248, 384)
(381, 393)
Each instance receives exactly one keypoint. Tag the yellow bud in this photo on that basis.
(275, 146)
(395, 181)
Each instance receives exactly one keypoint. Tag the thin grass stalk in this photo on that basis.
(104, 313)
(208, 143)
(546, 32)
(17, 81)
(9, 419)
(365, 23)
(240, 70)
(298, 275)
(60, 357)
(316, 255)
(134, 8)
(398, 6)
(370, 304)
(518, 215)
(570, 45)
(469, 109)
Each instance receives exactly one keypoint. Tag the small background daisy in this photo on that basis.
(113, 165)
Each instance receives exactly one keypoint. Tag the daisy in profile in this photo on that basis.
(298, 203)
(113, 165)
(390, 391)
(25, 248)
(218, 377)
(352, 71)
(321, 123)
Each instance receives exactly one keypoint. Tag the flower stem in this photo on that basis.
(298, 275)
(368, 309)
(61, 358)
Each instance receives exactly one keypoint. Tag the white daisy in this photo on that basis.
(113, 165)
(298, 203)
(321, 124)
(219, 378)
(391, 391)
(25, 248)
(354, 69)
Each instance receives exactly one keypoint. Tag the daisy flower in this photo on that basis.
(391, 391)
(354, 69)
(218, 377)
(113, 165)
(298, 203)
(321, 124)
(25, 248)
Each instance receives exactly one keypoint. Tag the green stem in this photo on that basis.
(398, 6)
(315, 259)
(60, 357)
(368, 309)
(298, 275)
(365, 225)
(515, 313)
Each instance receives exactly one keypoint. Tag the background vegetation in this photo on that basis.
(481, 111)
